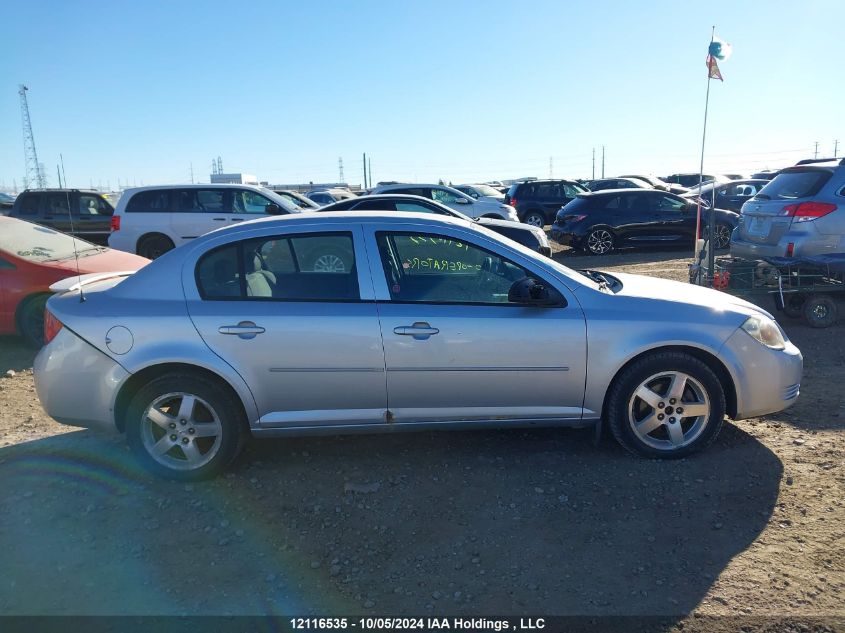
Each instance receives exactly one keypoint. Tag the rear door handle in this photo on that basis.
(419, 330)
(244, 330)
(219, 219)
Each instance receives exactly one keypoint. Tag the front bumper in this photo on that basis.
(562, 237)
(76, 383)
(766, 380)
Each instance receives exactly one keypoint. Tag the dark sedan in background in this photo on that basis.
(599, 222)
(530, 236)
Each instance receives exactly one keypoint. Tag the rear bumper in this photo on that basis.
(804, 245)
(767, 380)
(76, 383)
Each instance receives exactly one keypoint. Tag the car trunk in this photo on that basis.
(764, 218)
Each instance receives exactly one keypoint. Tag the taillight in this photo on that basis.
(790, 249)
(115, 223)
(806, 211)
(573, 218)
(51, 326)
(513, 202)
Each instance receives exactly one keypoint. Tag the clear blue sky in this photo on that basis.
(464, 91)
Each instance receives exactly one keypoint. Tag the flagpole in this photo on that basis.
(701, 176)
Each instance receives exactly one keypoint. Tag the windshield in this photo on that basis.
(38, 243)
(790, 185)
(284, 203)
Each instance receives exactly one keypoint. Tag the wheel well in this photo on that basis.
(707, 358)
(147, 236)
(137, 380)
(22, 305)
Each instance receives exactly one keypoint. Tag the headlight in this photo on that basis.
(764, 330)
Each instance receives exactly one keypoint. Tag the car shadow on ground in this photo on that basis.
(16, 355)
(461, 523)
(653, 254)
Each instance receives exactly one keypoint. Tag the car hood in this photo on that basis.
(498, 222)
(679, 292)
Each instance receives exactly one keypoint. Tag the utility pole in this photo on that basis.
(365, 171)
(192, 173)
(816, 153)
(64, 176)
(340, 177)
(602, 161)
(551, 168)
(835, 147)
(33, 174)
(370, 169)
(594, 163)
(59, 175)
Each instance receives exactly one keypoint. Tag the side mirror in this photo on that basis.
(530, 291)
(463, 200)
(273, 209)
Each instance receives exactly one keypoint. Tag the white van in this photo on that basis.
(150, 221)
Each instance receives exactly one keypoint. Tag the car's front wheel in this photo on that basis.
(667, 404)
(185, 427)
(722, 236)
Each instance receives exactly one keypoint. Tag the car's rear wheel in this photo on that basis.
(185, 427)
(722, 236)
(31, 320)
(153, 246)
(599, 241)
(535, 218)
(666, 405)
(820, 311)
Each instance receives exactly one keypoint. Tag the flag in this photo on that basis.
(718, 51)
(713, 68)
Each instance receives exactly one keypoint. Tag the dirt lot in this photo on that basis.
(498, 522)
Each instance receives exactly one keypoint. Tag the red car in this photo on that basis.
(31, 258)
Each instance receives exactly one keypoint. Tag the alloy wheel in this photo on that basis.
(600, 241)
(669, 410)
(722, 236)
(329, 263)
(181, 431)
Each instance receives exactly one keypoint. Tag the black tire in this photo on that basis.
(215, 409)
(793, 305)
(722, 236)
(624, 406)
(820, 311)
(154, 246)
(599, 241)
(535, 218)
(31, 320)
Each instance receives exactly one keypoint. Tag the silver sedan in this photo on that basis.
(364, 322)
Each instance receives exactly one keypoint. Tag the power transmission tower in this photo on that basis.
(816, 153)
(213, 167)
(551, 168)
(602, 161)
(219, 165)
(34, 173)
(340, 169)
(594, 163)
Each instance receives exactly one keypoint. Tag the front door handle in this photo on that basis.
(244, 330)
(419, 330)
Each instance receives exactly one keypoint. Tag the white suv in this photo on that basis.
(454, 199)
(150, 221)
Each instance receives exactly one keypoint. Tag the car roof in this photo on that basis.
(345, 217)
(215, 185)
(634, 192)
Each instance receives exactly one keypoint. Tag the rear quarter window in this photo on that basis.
(790, 185)
(28, 204)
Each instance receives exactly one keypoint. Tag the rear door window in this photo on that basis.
(57, 205)
(308, 267)
(153, 201)
(790, 185)
(90, 204)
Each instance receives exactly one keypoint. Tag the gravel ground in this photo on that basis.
(463, 523)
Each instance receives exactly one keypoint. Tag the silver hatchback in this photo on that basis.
(365, 322)
(800, 213)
